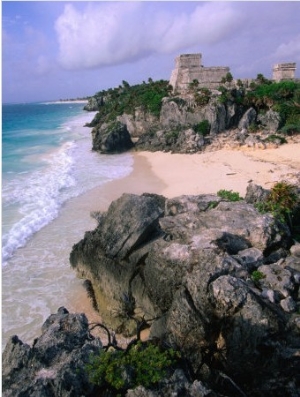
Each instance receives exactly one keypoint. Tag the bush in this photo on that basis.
(202, 128)
(229, 195)
(202, 97)
(142, 364)
(282, 201)
(256, 276)
(276, 139)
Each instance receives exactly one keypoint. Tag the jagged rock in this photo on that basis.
(111, 138)
(255, 194)
(248, 118)
(139, 122)
(55, 364)
(177, 385)
(277, 278)
(189, 141)
(193, 276)
(93, 104)
(270, 120)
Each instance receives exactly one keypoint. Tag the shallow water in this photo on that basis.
(44, 214)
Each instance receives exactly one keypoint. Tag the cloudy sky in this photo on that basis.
(56, 50)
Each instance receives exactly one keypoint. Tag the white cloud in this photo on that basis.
(289, 51)
(113, 33)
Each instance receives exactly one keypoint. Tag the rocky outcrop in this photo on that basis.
(55, 364)
(213, 278)
(139, 122)
(93, 104)
(270, 121)
(111, 138)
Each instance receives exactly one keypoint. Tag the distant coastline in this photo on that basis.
(66, 101)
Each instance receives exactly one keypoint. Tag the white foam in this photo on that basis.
(71, 171)
(38, 198)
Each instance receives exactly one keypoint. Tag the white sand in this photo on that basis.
(224, 169)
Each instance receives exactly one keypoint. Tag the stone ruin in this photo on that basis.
(284, 71)
(188, 68)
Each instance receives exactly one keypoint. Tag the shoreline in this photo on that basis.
(173, 175)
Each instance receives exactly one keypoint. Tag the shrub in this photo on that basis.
(281, 202)
(142, 364)
(256, 276)
(229, 195)
(202, 97)
(202, 128)
(290, 129)
(276, 139)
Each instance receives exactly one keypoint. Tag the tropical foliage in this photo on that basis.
(125, 99)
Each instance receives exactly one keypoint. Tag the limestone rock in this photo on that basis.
(270, 120)
(192, 280)
(111, 138)
(55, 364)
(248, 118)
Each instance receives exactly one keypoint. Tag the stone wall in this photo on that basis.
(284, 71)
(188, 68)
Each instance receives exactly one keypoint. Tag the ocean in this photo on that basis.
(47, 165)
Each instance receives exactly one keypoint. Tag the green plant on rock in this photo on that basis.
(141, 364)
(256, 276)
(202, 96)
(276, 139)
(229, 195)
(282, 201)
(202, 128)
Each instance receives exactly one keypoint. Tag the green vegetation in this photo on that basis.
(229, 195)
(283, 202)
(202, 96)
(141, 364)
(282, 97)
(228, 78)
(125, 99)
(256, 276)
(202, 128)
(276, 139)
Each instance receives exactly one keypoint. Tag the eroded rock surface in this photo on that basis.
(55, 364)
(188, 272)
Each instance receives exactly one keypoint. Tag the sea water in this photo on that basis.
(47, 163)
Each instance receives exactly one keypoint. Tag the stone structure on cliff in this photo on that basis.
(188, 68)
(284, 71)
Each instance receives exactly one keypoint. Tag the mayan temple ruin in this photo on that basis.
(284, 71)
(188, 67)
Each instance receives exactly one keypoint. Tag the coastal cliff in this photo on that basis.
(214, 278)
(186, 114)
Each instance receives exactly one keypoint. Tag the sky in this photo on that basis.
(58, 50)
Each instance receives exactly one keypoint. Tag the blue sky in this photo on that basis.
(57, 50)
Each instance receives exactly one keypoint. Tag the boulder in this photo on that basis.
(55, 364)
(111, 138)
(247, 119)
(270, 120)
(190, 278)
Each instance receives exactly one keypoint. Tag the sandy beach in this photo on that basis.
(224, 169)
(175, 174)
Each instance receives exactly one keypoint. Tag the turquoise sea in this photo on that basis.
(47, 163)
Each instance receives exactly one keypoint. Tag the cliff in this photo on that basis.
(214, 278)
(159, 118)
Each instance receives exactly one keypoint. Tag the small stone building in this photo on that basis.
(284, 71)
(188, 68)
